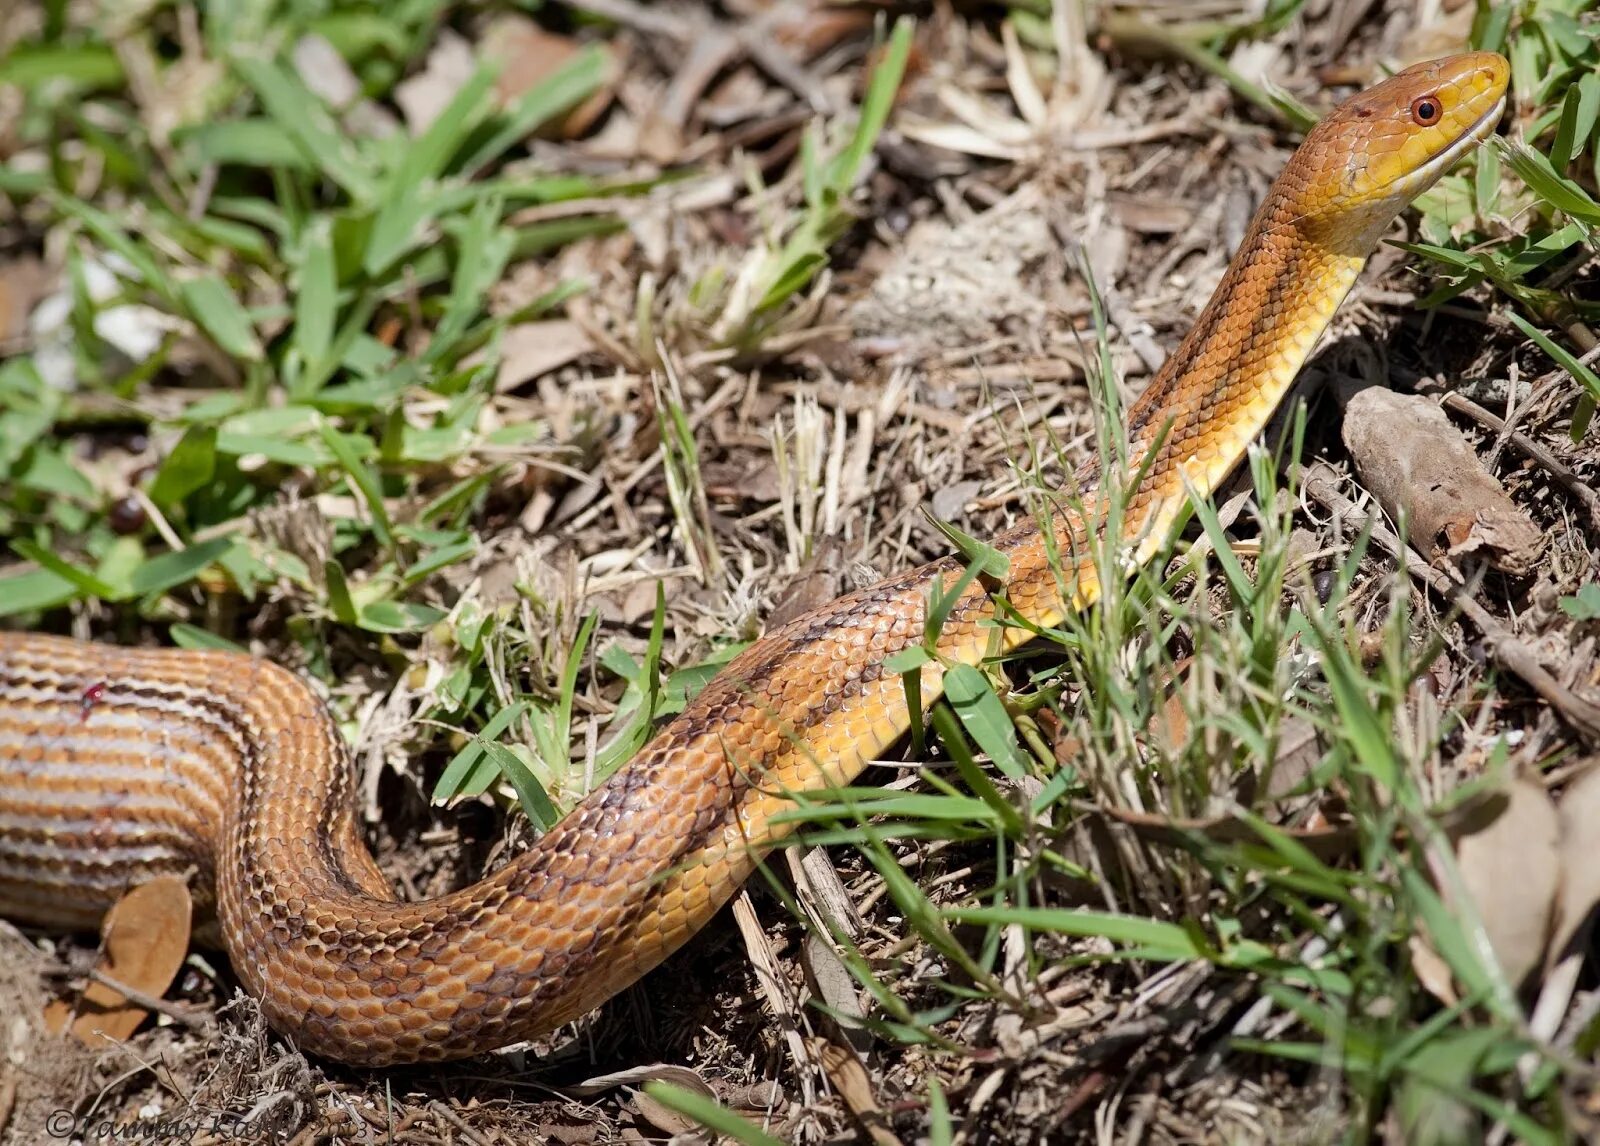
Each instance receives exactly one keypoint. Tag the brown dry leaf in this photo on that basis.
(811, 29)
(23, 282)
(1448, 31)
(827, 904)
(423, 96)
(533, 349)
(1170, 725)
(1579, 811)
(531, 55)
(1432, 971)
(662, 1117)
(1300, 749)
(145, 938)
(849, 1077)
(1510, 864)
(325, 71)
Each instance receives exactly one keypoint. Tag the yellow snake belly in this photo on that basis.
(120, 764)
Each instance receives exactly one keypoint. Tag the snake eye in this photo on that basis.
(1425, 111)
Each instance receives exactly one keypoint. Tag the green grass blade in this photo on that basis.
(710, 1114)
(217, 311)
(169, 570)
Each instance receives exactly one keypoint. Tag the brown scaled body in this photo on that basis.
(116, 765)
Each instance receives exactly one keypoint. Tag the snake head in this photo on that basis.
(1380, 149)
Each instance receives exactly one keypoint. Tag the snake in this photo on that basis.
(121, 764)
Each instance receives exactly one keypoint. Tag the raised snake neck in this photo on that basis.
(117, 765)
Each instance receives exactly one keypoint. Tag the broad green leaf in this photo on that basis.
(710, 1114)
(571, 84)
(37, 589)
(167, 570)
(349, 457)
(1585, 605)
(340, 602)
(985, 718)
(385, 616)
(316, 304)
(213, 305)
(1580, 110)
(87, 66)
(535, 801)
(307, 122)
(103, 227)
(245, 143)
(187, 636)
(85, 581)
(452, 781)
(410, 198)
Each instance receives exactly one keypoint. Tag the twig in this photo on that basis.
(640, 17)
(456, 1120)
(188, 1016)
(768, 55)
(1503, 645)
(1554, 466)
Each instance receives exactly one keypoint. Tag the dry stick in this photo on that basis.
(637, 16)
(456, 1121)
(762, 51)
(1554, 466)
(188, 1016)
(1503, 645)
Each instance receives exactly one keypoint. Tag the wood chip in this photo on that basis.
(1422, 470)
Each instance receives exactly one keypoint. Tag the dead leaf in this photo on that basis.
(1432, 971)
(1579, 812)
(144, 940)
(658, 1114)
(849, 1077)
(811, 29)
(826, 902)
(1300, 749)
(950, 502)
(423, 96)
(533, 349)
(662, 1116)
(1511, 866)
(638, 1075)
(322, 69)
(530, 55)
(1169, 725)
(23, 282)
